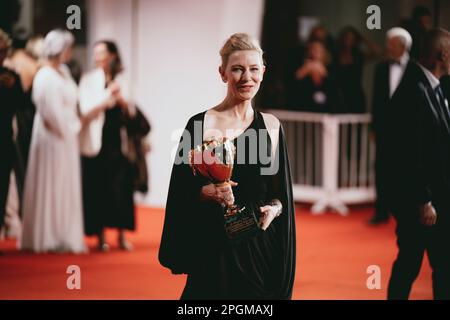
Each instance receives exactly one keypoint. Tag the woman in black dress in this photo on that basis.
(110, 119)
(261, 266)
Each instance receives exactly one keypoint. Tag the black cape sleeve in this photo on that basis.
(178, 242)
(285, 224)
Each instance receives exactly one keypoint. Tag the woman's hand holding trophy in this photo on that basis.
(214, 160)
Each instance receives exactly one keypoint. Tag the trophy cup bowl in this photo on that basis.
(214, 160)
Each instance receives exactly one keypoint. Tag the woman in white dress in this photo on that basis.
(52, 212)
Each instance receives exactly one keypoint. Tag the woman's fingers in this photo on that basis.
(218, 196)
(264, 209)
(225, 194)
(266, 218)
(223, 189)
(227, 186)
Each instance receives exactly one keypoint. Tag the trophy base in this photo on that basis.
(240, 223)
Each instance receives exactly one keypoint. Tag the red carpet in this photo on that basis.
(333, 254)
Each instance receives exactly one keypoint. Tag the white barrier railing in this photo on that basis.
(332, 158)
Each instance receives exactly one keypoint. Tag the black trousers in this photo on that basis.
(381, 180)
(413, 239)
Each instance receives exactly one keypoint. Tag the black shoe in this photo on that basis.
(103, 247)
(375, 220)
(125, 245)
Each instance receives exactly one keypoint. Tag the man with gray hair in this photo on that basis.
(388, 76)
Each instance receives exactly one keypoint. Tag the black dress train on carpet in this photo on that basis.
(194, 241)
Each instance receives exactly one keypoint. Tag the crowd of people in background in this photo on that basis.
(77, 150)
(75, 153)
(101, 123)
(328, 76)
(326, 73)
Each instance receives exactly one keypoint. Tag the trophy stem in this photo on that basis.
(232, 210)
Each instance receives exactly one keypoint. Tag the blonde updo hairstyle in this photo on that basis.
(239, 42)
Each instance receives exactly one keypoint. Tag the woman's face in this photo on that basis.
(102, 58)
(243, 74)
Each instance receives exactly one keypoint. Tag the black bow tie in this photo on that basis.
(394, 62)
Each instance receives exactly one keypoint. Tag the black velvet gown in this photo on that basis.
(194, 241)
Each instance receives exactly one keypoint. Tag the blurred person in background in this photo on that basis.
(421, 22)
(52, 206)
(35, 47)
(12, 99)
(26, 66)
(353, 51)
(321, 34)
(389, 75)
(315, 89)
(108, 172)
(26, 62)
(295, 59)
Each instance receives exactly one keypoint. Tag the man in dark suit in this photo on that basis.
(419, 170)
(388, 76)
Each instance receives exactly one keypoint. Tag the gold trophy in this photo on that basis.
(214, 160)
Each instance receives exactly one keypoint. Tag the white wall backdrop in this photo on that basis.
(171, 49)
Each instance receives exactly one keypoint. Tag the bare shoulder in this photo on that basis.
(273, 128)
(212, 116)
(272, 122)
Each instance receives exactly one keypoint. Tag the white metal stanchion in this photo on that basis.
(330, 199)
